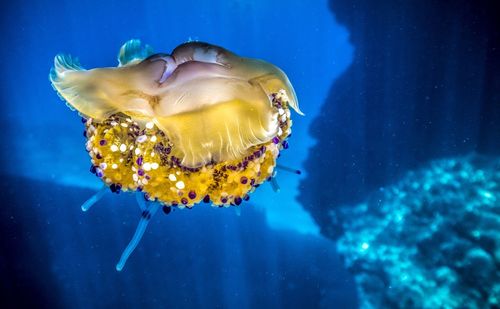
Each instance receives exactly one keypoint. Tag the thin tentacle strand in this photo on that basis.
(274, 185)
(94, 198)
(147, 214)
(288, 169)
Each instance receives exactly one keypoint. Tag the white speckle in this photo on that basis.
(280, 131)
(142, 138)
(114, 148)
(207, 145)
(283, 118)
(128, 120)
(154, 165)
(131, 147)
(150, 125)
(146, 166)
(135, 177)
(281, 111)
(121, 160)
(114, 166)
(153, 138)
(123, 124)
(152, 153)
(178, 173)
(103, 166)
(180, 185)
(123, 147)
(144, 181)
(137, 151)
(114, 123)
(172, 177)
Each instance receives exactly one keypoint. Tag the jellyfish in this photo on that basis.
(199, 125)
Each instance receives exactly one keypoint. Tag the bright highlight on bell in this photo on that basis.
(199, 125)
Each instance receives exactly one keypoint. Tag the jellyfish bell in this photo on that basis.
(199, 125)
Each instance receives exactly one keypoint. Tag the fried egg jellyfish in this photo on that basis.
(199, 125)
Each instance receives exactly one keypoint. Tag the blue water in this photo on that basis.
(386, 88)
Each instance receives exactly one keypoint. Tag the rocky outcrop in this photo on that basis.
(423, 84)
(430, 241)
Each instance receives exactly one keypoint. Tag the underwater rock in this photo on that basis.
(423, 84)
(430, 241)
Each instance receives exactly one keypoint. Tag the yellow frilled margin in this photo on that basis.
(129, 156)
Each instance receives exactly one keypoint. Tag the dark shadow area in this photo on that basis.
(27, 280)
(424, 84)
(54, 255)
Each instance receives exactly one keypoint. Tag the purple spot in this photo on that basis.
(285, 144)
(102, 142)
(243, 180)
(98, 156)
(139, 161)
(237, 200)
(276, 140)
(166, 209)
(206, 199)
(223, 200)
(140, 172)
(192, 195)
(184, 200)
